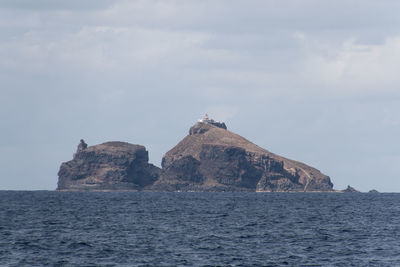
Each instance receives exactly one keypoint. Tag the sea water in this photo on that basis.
(39, 228)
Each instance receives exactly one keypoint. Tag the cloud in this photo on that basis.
(353, 67)
(45, 5)
(103, 48)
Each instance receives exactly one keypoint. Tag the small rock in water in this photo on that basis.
(350, 189)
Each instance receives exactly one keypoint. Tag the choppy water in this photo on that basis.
(198, 229)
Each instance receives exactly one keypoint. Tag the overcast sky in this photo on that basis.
(315, 81)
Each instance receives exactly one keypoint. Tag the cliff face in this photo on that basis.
(212, 158)
(108, 166)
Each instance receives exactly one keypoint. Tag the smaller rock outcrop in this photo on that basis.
(82, 146)
(350, 189)
(373, 191)
(108, 166)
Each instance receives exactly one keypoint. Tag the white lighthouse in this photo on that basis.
(207, 119)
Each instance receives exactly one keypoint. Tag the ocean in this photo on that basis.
(50, 228)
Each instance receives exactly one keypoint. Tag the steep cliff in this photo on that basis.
(211, 158)
(108, 166)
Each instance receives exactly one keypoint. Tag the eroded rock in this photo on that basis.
(108, 166)
(212, 158)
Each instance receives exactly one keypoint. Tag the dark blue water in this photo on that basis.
(198, 229)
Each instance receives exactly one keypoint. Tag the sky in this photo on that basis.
(311, 80)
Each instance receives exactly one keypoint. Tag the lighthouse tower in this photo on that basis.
(207, 119)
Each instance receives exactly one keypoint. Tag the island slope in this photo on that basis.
(211, 158)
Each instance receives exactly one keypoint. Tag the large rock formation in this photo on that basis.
(108, 166)
(212, 158)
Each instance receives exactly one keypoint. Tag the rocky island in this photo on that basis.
(108, 166)
(210, 158)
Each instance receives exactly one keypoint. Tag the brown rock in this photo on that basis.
(108, 166)
(212, 158)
